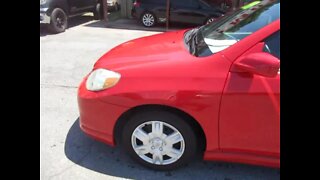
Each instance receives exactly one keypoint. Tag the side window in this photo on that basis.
(195, 3)
(155, 1)
(176, 3)
(272, 44)
(185, 3)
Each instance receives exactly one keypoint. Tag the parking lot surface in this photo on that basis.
(67, 153)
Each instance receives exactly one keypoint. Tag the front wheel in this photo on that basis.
(58, 21)
(159, 140)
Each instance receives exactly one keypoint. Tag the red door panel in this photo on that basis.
(250, 105)
(250, 117)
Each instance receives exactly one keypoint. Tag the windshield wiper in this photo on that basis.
(193, 41)
(191, 34)
(193, 45)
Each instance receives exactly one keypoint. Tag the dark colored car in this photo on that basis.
(151, 12)
(55, 13)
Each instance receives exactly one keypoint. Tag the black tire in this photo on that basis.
(188, 134)
(58, 21)
(98, 12)
(148, 15)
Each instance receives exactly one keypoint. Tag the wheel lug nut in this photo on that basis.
(152, 147)
(160, 149)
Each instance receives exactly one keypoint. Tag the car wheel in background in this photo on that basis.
(210, 20)
(159, 140)
(98, 12)
(148, 19)
(58, 21)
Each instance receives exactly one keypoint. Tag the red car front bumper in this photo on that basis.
(97, 117)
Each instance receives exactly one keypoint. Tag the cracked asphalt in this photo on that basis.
(66, 153)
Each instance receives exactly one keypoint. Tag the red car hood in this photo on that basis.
(150, 49)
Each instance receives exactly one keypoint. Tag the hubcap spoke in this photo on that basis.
(142, 150)
(174, 153)
(141, 135)
(174, 138)
(157, 158)
(157, 128)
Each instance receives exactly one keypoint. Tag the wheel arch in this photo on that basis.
(64, 5)
(123, 119)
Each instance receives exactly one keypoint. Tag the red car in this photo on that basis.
(212, 90)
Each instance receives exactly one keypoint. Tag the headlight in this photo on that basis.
(42, 2)
(101, 79)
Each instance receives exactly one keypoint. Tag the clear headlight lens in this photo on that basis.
(101, 79)
(42, 2)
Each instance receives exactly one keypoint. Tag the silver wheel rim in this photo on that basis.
(148, 19)
(210, 20)
(157, 142)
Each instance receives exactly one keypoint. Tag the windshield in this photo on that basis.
(230, 29)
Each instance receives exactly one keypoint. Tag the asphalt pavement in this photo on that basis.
(66, 152)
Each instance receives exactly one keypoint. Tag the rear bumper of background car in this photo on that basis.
(44, 18)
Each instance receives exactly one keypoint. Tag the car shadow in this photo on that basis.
(96, 156)
(72, 22)
(132, 24)
(116, 22)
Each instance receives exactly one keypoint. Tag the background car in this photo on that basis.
(151, 12)
(212, 91)
(55, 13)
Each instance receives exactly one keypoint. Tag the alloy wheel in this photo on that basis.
(148, 19)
